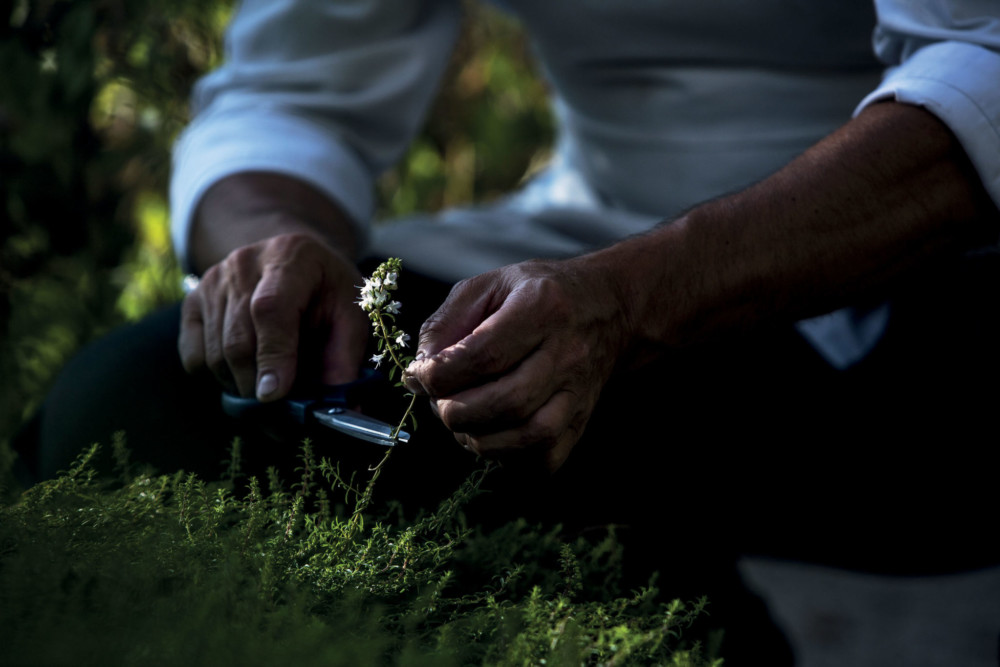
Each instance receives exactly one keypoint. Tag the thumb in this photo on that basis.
(451, 340)
(458, 316)
(468, 304)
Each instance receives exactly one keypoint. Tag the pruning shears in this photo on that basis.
(326, 405)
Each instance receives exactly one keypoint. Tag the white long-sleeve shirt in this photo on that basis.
(660, 106)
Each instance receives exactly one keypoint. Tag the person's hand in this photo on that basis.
(258, 316)
(515, 359)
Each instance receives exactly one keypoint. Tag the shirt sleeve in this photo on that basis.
(945, 56)
(327, 92)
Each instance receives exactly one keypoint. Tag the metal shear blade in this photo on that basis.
(359, 426)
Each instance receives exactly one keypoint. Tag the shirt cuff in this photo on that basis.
(957, 82)
(239, 140)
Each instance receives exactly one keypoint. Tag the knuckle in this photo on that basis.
(237, 347)
(489, 358)
(211, 277)
(552, 295)
(514, 403)
(265, 303)
(242, 258)
(474, 286)
(459, 288)
(543, 431)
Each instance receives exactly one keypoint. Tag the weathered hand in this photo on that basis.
(515, 359)
(253, 313)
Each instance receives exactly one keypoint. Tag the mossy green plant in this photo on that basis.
(171, 569)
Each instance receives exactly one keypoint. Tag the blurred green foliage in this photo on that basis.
(489, 127)
(87, 116)
(94, 93)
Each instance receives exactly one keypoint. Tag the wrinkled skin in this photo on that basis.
(515, 359)
(250, 312)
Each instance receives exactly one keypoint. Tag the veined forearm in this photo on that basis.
(888, 192)
(250, 207)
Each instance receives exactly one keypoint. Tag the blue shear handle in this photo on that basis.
(250, 409)
(298, 407)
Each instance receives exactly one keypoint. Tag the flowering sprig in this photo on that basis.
(376, 300)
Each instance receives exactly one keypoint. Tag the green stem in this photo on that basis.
(409, 409)
(402, 369)
(366, 497)
(388, 344)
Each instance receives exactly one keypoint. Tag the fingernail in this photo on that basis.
(420, 355)
(267, 384)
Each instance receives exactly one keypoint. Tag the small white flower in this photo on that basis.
(372, 302)
(401, 339)
(367, 300)
(393, 307)
(390, 280)
(377, 359)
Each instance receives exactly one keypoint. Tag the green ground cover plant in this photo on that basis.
(170, 569)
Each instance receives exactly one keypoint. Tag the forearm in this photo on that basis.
(246, 208)
(515, 359)
(889, 192)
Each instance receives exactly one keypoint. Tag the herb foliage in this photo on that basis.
(171, 569)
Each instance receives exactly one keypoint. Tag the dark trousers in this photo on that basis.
(748, 446)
